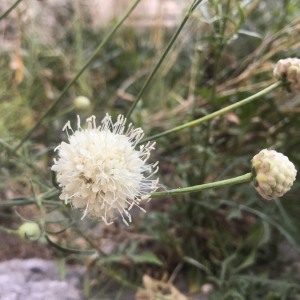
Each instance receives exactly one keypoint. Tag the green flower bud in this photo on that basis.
(82, 103)
(29, 230)
(273, 174)
(288, 70)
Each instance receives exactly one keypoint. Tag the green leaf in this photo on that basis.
(146, 257)
(225, 264)
(249, 261)
(233, 294)
(113, 258)
(197, 264)
(242, 16)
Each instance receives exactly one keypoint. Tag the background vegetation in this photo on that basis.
(227, 240)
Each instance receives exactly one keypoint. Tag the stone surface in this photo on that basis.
(37, 279)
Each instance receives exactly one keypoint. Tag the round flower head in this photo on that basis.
(273, 174)
(100, 170)
(288, 70)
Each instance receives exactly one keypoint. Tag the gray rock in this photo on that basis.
(37, 279)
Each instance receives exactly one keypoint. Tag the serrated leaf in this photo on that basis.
(146, 257)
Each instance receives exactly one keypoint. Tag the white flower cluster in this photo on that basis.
(100, 170)
(274, 173)
(289, 69)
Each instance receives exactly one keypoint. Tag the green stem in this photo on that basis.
(43, 198)
(70, 84)
(7, 230)
(61, 113)
(69, 250)
(9, 9)
(9, 203)
(173, 39)
(215, 114)
(29, 201)
(11, 150)
(50, 194)
(8, 147)
(240, 179)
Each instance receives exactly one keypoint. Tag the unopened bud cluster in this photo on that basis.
(273, 174)
(289, 70)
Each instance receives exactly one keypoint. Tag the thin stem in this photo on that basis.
(69, 250)
(92, 244)
(29, 201)
(9, 203)
(215, 114)
(7, 146)
(50, 194)
(70, 84)
(61, 113)
(7, 230)
(173, 39)
(10, 149)
(240, 179)
(9, 9)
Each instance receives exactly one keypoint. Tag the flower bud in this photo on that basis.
(288, 70)
(273, 174)
(82, 103)
(29, 231)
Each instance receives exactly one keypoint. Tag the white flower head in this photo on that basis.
(289, 70)
(100, 170)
